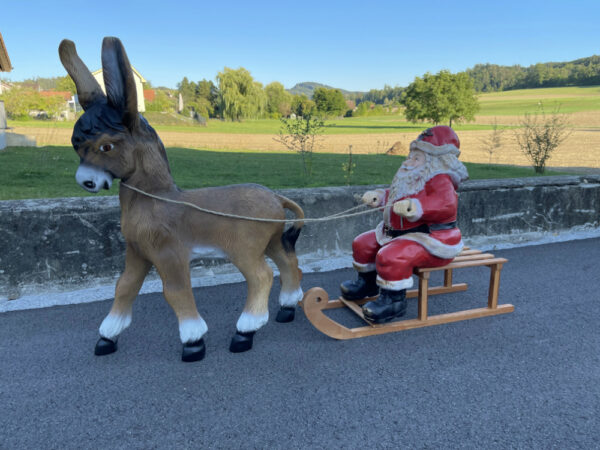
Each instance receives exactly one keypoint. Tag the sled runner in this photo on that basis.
(316, 300)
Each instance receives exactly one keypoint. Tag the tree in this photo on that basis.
(440, 98)
(19, 102)
(302, 105)
(161, 102)
(329, 102)
(198, 98)
(300, 134)
(187, 90)
(493, 142)
(206, 97)
(66, 84)
(279, 101)
(540, 135)
(239, 96)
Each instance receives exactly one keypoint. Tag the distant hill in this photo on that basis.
(492, 77)
(308, 88)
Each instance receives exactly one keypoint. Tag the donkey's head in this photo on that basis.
(107, 136)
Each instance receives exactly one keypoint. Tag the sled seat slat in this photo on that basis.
(316, 300)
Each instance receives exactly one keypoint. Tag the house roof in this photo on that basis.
(64, 94)
(149, 95)
(142, 79)
(5, 65)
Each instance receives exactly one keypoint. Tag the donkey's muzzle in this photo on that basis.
(92, 178)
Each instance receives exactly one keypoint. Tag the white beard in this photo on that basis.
(413, 181)
(409, 182)
(405, 183)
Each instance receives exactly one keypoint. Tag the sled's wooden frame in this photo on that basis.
(316, 300)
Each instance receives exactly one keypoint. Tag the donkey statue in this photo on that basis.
(114, 141)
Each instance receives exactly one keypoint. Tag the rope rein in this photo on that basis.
(339, 215)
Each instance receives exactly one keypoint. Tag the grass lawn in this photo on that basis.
(48, 172)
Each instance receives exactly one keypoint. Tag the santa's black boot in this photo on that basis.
(364, 286)
(388, 306)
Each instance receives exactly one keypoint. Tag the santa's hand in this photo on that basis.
(405, 208)
(372, 198)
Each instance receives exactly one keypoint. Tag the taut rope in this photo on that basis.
(340, 215)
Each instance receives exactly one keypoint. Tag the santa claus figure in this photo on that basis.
(418, 227)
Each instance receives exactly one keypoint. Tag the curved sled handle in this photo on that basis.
(315, 300)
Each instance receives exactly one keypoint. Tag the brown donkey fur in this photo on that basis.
(114, 141)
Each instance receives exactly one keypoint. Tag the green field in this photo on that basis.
(566, 99)
(518, 102)
(48, 172)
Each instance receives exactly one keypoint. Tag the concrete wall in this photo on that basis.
(70, 243)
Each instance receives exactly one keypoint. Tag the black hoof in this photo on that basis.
(105, 347)
(241, 342)
(286, 314)
(193, 351)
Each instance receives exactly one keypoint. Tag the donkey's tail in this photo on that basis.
(290, 236)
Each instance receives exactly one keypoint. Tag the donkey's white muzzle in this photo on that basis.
(92, 179)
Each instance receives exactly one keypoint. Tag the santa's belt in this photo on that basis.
(424, 228)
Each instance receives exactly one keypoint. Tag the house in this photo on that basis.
(5, 65)
(139, 86)
(71, 106)
(4, 86)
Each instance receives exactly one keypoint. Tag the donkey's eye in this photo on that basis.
(106, 147)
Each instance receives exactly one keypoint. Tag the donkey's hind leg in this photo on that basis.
(259, 278)
(290, 276)
(119, 317)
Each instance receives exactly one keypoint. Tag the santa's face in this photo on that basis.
(416, 159)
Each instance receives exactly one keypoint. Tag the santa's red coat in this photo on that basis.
(395, 258)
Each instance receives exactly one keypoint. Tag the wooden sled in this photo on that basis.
(316, 300)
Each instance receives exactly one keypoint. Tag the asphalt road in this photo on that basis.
(530, 379)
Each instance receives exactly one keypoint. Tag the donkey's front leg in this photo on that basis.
(177, 288)
(119, 317)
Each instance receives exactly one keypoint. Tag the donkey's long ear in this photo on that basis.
(88, 89)
(118, 80)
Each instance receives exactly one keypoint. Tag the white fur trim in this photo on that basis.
(433, 246)
(428, 147)
(114, 324)
(397, 285)
(381, 193)
(369, 267)
(192, 330)
(380, 235)
(250, 322)
(419, 210)
(290, 298)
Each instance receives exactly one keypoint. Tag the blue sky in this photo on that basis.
(353, 45)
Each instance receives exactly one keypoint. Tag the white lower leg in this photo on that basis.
(249, 322)
(114, 324)
(290, 298)
(396, 285)
(192, 330)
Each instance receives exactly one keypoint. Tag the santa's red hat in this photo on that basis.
(439, 140)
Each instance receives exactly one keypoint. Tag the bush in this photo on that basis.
(20, 102)
(539, 136)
